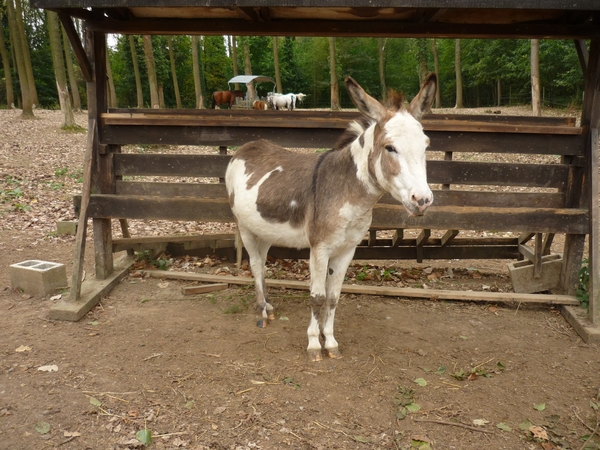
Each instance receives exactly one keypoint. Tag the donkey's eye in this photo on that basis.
(390, 148)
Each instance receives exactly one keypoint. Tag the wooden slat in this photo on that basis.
(327, 138)
(500, 174)
(133, 164)
(385, 217)
(453, 172)
(200, 190)
(442, 197)
(290, 120)
(448, 237)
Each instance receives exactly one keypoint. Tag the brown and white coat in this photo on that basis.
(324, 201)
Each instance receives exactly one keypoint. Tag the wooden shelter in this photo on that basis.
(559, 198)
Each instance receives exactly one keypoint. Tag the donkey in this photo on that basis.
(325, 201)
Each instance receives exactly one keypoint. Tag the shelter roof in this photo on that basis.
(245, 79)
(572, 19)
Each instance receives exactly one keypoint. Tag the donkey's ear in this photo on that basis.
(421, 104)
(366, 104)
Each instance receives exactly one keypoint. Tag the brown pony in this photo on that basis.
(259, 104)
(220, 97)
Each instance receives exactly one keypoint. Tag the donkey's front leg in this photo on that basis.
(335, 278)
(318, 279)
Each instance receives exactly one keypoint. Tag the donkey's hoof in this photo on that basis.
(334, 353)
(271, 316)
(261, 323)
(315, 355)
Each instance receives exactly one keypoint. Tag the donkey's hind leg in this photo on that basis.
(257, 251)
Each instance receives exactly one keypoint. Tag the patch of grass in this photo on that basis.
(74, 129)
(238, 308)
(582, 291)
(61, 171)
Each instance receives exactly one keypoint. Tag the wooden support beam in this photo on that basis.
(524, 238)
(537, 263)
(547, 246)
(422, 240)
(582, 53)
(77, 46)
(372, 241)
(397, 237)
(429, 294)
(594, 237)
(527, 253)
(449, 237)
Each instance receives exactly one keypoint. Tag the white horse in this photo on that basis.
(300, 97)
(281, 101)
(325, 201)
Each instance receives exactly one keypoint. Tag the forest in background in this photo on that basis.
(183, 71)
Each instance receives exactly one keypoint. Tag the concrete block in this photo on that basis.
(63, 228)
(37, 277)
(521, 274)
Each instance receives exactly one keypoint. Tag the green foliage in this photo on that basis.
(582, 292)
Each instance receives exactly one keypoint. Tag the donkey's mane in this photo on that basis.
(394, 102)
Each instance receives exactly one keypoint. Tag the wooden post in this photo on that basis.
(102, 172)
(594, 254)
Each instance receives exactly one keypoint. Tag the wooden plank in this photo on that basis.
(442, 197)
(397, 237)
(594, 237)
(133, 164)
(543, 220)
(159, 189)
(265, 120)
(497, 174)
(347, 116)
(327, 138)
(385, 217)
(204, 289)
(430, 294)
(150, 242)
(454, 172)
(537, 260)
(421, 240)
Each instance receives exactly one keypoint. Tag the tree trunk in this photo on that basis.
(248, 70)
(71, 71)
(422, 59)
(234, 56)
(333, 80)
(197, 84)
(136, 73)
(59, 70)
(276, 63)
(380, 50)
(112, 93)
(26, 100)
(458, 70)
(26, 53)
(152, 80)
(535, 77)
(499, 84)
(174, 72)
(10, 94)
(436, 67)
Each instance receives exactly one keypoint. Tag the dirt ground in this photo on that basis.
(197, 373)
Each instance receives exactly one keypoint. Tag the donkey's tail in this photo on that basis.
(214, 102)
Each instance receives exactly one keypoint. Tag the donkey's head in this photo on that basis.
(396, 159)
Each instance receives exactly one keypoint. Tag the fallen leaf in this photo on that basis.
(421, 382)
(540, 406)
(95, 401)
(480, 422)
(56, 297)
(144, 437)
(503, 427)
(49, 368)
(23, 348)
(219, 410)
(42, 427)
(413, 407)
(538, 432)
(178, 442)
(163, 285)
